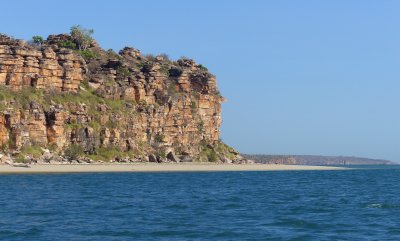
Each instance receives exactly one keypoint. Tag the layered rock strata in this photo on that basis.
(98, 101)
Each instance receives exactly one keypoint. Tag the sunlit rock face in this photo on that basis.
(47, 67)
(52, 96)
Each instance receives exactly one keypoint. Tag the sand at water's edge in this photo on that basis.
(153, 167)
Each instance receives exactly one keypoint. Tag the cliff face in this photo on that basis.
(45, 68)
(97, 104)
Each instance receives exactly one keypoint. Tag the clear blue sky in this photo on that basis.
(301, 77)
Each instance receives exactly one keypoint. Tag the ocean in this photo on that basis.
(362, 204)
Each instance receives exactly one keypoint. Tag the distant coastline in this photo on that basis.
(315, 160)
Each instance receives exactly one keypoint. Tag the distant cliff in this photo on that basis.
(315, 160)
(61, 102)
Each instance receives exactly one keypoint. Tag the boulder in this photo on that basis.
(171, 157)
(152, 158)
(186, 159)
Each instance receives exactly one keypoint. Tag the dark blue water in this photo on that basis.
(287, 205)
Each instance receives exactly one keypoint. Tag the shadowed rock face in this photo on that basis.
(58, 97)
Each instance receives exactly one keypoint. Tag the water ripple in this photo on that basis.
(301, 205)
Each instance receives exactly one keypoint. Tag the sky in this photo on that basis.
(300, 77)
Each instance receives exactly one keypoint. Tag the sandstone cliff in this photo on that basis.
(99, 105)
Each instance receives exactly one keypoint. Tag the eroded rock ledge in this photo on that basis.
(97, 105)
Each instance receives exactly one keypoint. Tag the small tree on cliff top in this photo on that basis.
(38, 40)
(82, 36)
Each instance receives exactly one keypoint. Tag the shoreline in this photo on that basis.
(157, 167)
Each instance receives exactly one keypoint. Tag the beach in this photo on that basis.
(155, 167)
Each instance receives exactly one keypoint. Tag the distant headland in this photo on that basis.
(316, 160)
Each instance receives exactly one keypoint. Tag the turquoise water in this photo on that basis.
(283, 205)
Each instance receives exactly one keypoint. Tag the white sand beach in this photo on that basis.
(153, 167)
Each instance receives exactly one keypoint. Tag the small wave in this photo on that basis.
(122, 207)
(110, 233)
(296, 223)
(232, 205)
(177, 206)
(30, 232)
(374, 205)
(382, 206)
(6, 232)
(225, 234)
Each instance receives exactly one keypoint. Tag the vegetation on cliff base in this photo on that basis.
(74, 151)
(214, 153)
(32, 151)
(35, 151)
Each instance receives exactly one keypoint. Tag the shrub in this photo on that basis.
(52, 147)
(209, 154)
(200, 126)
(202, 67)
(74, 151)
(142, 103)
(161, 153)
(4, 147)
(115, 105)
(150, 57)
(109, 153)
(20, 158)
(111, 53)
(87, 54)
(164, 56)
(225, 150)
(34, 151)
(109, 83)
(159, 137)
(212, 156)
(95, 125)
(5, 94)
(67, 44)
(171, 89)
(123, 71)
(85, 84)
(38, 40)
(82, 36)
(164, 69)
(111, 124)
(23, 97)
(140, 65)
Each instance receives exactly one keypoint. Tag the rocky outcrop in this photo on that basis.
(106, 105)
(47, 67)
